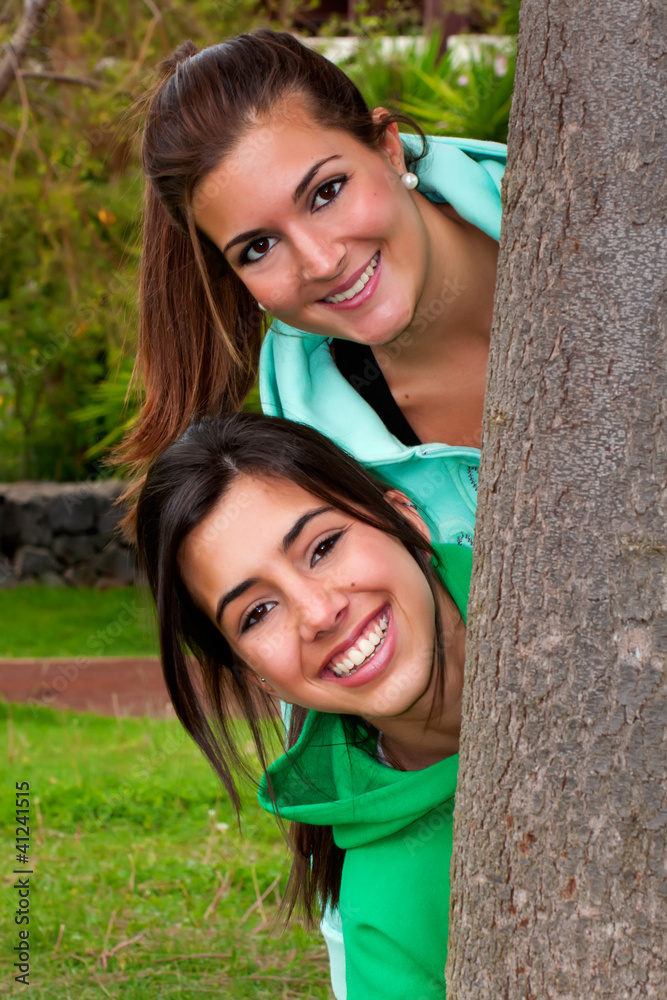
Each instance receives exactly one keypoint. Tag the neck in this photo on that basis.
(455, 305)
(429, 730)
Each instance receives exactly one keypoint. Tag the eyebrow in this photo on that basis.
(297, 528)
(251, 234)
(287, 542)
(303, 184)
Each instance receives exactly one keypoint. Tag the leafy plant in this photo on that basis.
(445, 95)
(471, 99)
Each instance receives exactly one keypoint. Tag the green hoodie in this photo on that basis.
(299, 379)
(396, 830)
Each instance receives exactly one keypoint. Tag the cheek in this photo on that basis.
(269, 651)
(371, 212)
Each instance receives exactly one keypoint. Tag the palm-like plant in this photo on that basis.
(471, 99)
(443, 94)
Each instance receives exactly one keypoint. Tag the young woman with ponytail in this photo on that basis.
(374, 251)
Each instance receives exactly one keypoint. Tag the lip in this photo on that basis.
(378, 662)
(361, 296)
(353, 636)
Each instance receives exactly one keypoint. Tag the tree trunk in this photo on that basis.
(558, 878)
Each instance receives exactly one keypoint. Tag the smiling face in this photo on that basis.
(319, 228)
(333, 613)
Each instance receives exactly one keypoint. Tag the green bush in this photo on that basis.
(445, 96)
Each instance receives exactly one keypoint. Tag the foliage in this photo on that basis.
(443, 94)
(397, 17)
(144, 887)
(70, 208)
(499, 17)
(472, 99)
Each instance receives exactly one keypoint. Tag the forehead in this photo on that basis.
(266, 165)
(242, 533)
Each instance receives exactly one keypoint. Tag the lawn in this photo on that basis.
(50, 621)
(143, 886)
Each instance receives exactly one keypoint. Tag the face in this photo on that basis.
(319, 228)
(334, 614)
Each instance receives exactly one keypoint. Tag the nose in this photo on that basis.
(320, 257)
(321, 609)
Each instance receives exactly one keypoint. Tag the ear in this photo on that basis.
(409, 510)
(391, 143)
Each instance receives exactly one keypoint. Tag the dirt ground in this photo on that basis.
(124, 685)
(109, 686)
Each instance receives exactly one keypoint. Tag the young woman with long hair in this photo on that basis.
(272, 186)
(288, 570)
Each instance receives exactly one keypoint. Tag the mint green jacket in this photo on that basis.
(396, 830)
(299, 379)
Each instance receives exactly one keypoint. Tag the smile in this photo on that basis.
(358, 286)
(363, 649)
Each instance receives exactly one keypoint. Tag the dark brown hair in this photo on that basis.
(181, 489)
(200, 328)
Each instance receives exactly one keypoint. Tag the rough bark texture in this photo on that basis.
(559, 885)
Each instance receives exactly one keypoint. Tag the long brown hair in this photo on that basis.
(181, 489)
(200, 328)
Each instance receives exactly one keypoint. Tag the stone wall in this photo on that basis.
(63, 534)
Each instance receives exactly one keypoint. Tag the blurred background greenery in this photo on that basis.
(71, 189)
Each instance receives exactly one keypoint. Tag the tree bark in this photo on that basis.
(558, 877)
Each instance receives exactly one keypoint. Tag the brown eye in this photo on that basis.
(324, 548)
(327, 192)
(258, 249)
(257, 614)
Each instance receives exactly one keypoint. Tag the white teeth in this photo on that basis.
(358, 285)
(363, 650)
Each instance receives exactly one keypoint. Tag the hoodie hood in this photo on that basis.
(328, 780)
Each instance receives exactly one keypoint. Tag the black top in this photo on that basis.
(357, 364)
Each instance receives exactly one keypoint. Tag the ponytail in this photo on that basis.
(190, 362)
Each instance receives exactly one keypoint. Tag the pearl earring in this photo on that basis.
(410, 180)
(263, 680)
(263, 308)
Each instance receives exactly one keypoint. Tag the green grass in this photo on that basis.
(132, 843)
(46, 621)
